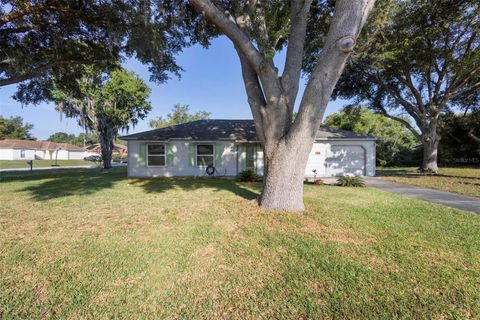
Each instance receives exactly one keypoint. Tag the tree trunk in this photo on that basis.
(284, 175)
(286, 143)
(106, 138)
(430, 142)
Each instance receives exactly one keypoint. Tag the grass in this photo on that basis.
(14, 164)
(459, 180)
(95, 245)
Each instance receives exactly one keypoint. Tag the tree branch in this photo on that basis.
(231, 30)
(395, 94)
(347, 22)
(296, 43)
(39, 70)
(17, 14)
(402, 121)
(409, 83)
(256, 99)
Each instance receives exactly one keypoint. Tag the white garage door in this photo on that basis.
(343, 160)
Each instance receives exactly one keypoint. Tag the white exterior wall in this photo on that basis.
(181, 163)
(233, 159)
(30, 154)
(6, 154)
(17, 154)
(76, 155)
(40, 155)
(62, 155)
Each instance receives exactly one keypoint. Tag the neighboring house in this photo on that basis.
(39, 150)
(232, 146)
(118, 150)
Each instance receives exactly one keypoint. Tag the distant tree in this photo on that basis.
(397, 140)
(180, 114)
(85, 139)
(105, 105)
(420, 58)
(81, 140)
(61, 137)
(14, 128)
(460, 138)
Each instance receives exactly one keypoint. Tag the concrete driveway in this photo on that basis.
(453, 200)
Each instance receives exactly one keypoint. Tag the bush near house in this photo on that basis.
(247, 176)
(350, 181)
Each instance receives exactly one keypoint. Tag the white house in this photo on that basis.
(39, 150)
(231, 146)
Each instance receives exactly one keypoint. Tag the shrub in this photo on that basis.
(247, 176)
(349, 181)
(317, 181)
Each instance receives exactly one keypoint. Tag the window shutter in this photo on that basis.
(191, 154)
(169, 155)
(142, 154)
(218, 154)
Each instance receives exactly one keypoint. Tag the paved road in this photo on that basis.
(436, 196)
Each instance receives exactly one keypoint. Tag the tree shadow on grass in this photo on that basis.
(58, 184)
(80, 182)
(159, 185)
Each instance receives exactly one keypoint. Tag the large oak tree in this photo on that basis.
(260, 29)
(419, 58)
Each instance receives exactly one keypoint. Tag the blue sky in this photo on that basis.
(212, 81)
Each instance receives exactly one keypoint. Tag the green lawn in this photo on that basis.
(459, 180)
(13, 164)
(94, 245)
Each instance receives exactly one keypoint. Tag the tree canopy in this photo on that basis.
(47, 41)
(418, 58)
(397, 141)
(14, 128)
(180, 114)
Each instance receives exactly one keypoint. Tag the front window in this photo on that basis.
(22, 154)
(156, 155)
(205, 154)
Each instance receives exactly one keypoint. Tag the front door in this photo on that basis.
(250, 157)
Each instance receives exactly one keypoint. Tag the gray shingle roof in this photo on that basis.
(238, 130)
